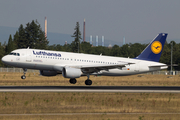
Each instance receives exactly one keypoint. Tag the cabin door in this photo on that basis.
(28, 56)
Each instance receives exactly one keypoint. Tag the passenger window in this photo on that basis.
(18, 54)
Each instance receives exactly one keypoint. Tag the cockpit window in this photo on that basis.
(15, 54)
(10, 53)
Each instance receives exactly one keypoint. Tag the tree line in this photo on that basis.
(33, 36)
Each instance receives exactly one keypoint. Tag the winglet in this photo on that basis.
(153, 51)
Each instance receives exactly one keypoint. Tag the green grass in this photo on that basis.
(134, 106)
(126, 103)
(23, 103)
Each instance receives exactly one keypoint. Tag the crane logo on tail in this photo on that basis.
(156, 47)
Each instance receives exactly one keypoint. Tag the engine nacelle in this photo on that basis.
(48, 73)
(69, 72)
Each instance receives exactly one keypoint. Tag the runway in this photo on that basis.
(128, 89)
(59, 114)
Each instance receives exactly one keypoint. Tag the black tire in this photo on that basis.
(23, 77)
(73, 81)
(88, 82)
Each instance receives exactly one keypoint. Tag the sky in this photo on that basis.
(137, 20)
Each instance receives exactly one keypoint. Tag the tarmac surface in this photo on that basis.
(130, 89)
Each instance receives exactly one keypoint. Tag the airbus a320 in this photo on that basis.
(75, 65)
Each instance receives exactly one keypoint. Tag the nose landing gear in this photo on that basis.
(23, 76)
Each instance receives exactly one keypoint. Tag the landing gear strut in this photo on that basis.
(88, 81)
(23, 76)
(73, 81)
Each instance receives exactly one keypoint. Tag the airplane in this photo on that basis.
(75, 65)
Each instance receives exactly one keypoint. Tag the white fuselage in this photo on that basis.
(56, 61)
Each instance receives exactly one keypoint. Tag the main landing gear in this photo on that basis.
(23, 76)
(87, 82)
(73, 80)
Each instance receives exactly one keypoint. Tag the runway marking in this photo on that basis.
(87, 114)
(127, 89)
(101, 91)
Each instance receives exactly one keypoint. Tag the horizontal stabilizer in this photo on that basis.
(157, 66)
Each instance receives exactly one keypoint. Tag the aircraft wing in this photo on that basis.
(97, 68)
(92, 68)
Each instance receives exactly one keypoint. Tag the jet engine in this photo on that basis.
(69, 72)
(48, 73)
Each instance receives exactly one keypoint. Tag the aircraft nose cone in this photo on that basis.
(4, 59)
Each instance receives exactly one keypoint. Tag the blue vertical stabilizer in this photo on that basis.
(153, 51)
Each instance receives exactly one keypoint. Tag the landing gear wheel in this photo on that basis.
(73, 81)
(23, 77)
(88, 82)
